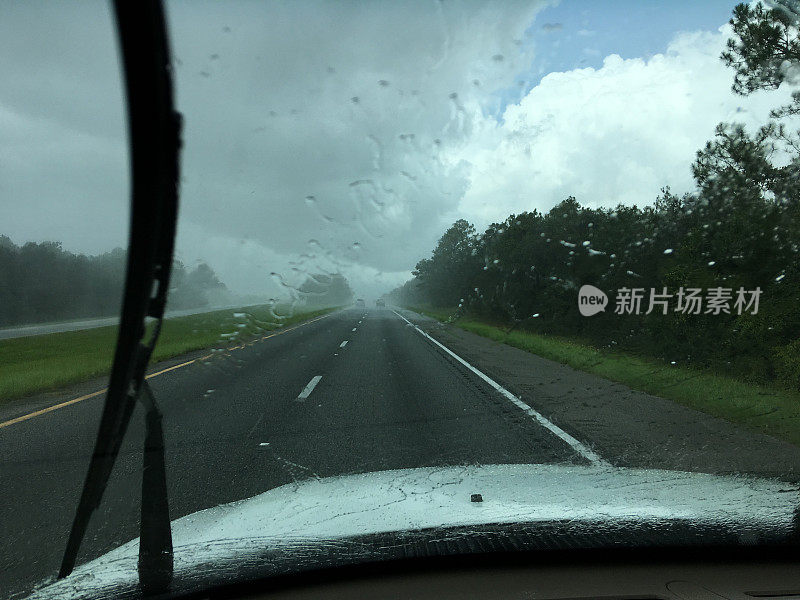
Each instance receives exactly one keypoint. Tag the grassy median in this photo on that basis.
(44, 362)
(770, 410)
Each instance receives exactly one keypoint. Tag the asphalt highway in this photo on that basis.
(355, 391)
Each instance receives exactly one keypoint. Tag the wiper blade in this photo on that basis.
(154, 133)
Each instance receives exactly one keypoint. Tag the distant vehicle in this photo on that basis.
(380, 303)
(360, 303)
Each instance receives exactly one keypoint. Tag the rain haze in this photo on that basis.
(324, 138)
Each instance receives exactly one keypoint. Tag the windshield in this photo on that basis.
(488, 267)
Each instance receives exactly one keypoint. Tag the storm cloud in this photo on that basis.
(324, 137)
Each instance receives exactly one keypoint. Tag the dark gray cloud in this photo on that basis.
(318, 128)
(314, 131)
(63, 160)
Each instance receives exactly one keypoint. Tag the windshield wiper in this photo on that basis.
(154, 132)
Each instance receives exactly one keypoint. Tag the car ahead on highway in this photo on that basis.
(600, 399)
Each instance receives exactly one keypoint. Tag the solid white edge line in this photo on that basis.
(309, 388)
(343, 344)
(579, 447)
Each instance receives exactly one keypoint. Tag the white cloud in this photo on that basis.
(611, 135)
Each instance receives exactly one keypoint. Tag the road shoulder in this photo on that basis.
(626, 427)
(17, 407)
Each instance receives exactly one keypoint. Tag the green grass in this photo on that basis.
(45, 362)
(769, 410)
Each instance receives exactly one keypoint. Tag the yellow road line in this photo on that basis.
(49, 408)
(172, 368)
(188, 362)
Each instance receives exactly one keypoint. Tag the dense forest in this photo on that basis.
(43, 282)
(737, 235)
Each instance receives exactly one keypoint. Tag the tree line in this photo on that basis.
(42, 282)
(321, 290)
(737, 235)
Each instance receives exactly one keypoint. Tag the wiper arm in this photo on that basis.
(155, 532)
(154, 132)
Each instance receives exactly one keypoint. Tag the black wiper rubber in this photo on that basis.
(154, 132)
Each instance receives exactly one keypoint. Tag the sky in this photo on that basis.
(346, 137)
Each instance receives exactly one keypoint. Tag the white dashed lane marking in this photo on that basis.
(309, 388)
